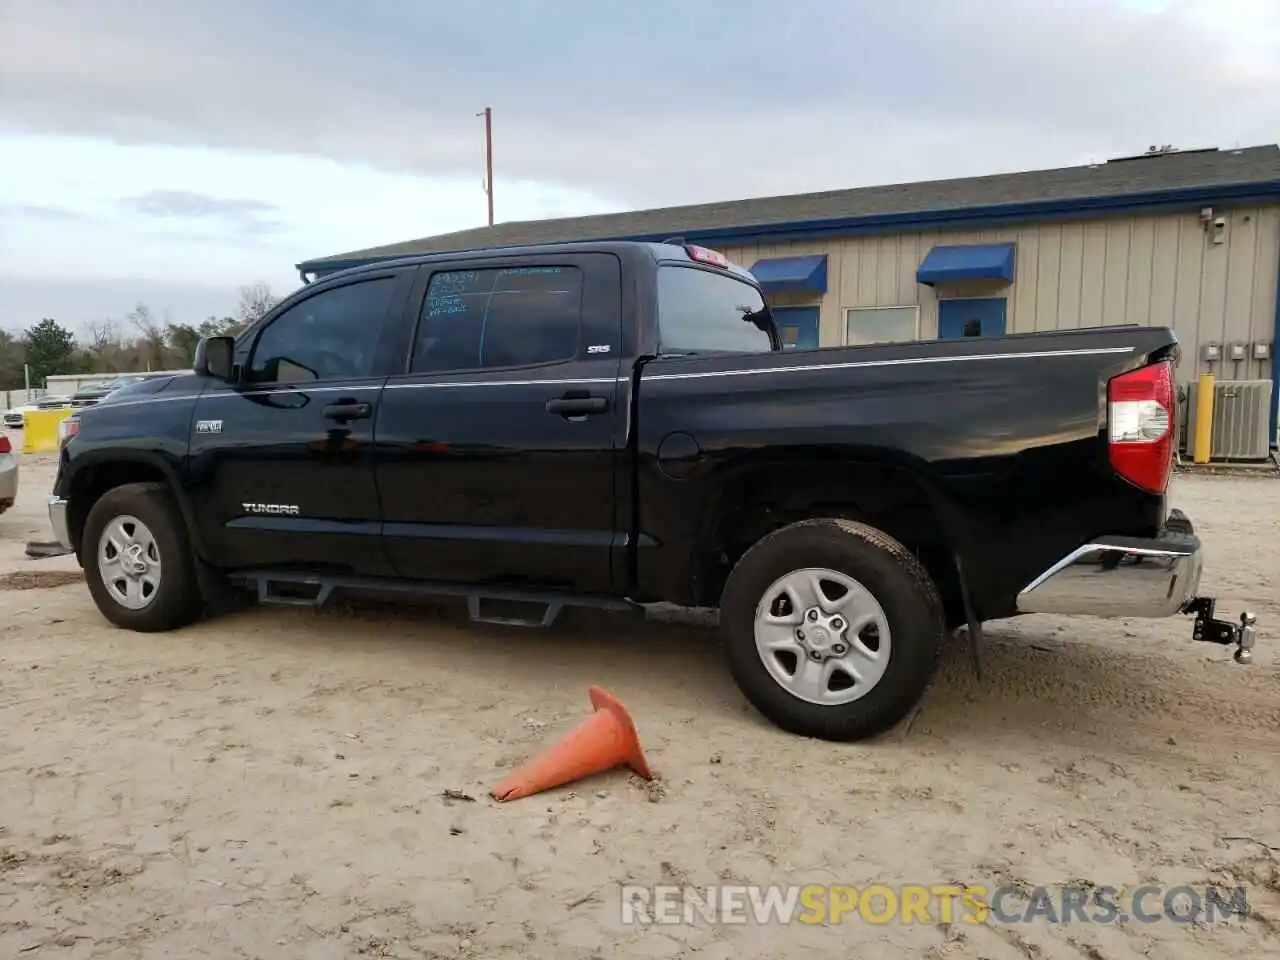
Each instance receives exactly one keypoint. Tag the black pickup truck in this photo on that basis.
(618, 424)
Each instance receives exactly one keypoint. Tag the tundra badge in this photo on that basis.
(287, 509)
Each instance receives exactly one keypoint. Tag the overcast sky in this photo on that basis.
(171, 152)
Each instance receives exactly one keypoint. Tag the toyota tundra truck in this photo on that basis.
(617, 424)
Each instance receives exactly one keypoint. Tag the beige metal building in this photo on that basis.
(1188, 239)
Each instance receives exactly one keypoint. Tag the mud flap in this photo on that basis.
(973, 627)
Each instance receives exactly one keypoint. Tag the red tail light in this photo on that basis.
(1140, 426)
(703, 255)
(5, 445)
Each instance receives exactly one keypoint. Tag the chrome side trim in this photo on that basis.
(697, 375)
(904, 361)
(134, 403)
(1119, 577)
(803, 368)
(300, 387)
(447, 384)
(238, 393)
(58, 520)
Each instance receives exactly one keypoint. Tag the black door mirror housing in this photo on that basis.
(213, 358)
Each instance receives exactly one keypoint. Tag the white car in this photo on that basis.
(15, 419)
(8, 474)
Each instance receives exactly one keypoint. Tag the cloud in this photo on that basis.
(188, 203)
(143, 219)
(250, 216)
(660, 102)
(41, 211)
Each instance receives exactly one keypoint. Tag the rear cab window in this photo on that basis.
(704, 310)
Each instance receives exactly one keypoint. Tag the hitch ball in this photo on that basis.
(1248, 629)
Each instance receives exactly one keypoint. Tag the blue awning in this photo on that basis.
(979, 261)
(792, 274)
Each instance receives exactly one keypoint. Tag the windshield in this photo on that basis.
(705, 310)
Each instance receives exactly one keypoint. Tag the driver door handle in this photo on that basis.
(577, 406)
(345, 410)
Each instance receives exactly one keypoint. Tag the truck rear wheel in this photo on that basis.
(832, 629)
(138, 560)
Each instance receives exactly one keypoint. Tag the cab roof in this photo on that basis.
(671, 251)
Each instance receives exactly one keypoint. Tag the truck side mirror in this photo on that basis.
(213, 358)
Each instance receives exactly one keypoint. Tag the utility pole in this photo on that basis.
(488, 157)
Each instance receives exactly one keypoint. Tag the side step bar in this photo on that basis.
(301, 588)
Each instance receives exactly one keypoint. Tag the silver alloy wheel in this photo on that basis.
(822, 636)
(129, 562)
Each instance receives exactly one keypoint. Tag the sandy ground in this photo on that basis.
(272, 784)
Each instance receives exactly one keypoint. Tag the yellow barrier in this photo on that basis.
(40, 430)
(1204, 418)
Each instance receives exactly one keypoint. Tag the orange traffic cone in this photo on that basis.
(605, 740)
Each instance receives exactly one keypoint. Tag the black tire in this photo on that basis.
(177, 600)
(904, 590)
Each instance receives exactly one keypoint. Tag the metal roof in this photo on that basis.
(1145, 181)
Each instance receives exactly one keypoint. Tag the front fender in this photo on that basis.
(86, 477)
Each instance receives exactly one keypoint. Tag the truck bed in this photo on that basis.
(1004, 436)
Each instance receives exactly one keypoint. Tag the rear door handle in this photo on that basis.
(345, 410)
(577, 406)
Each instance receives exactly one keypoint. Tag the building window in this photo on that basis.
(866, 325)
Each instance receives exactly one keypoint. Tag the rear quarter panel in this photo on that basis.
(1006, 436)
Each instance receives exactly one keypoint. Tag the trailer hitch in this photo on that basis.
(1210, 629)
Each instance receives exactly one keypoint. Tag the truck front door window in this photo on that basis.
(330, 336)
(499, 317)
(705, 310)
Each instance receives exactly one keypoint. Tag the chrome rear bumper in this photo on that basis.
(58, 520)
(1122, 576)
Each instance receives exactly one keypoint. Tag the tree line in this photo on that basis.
(138, 343)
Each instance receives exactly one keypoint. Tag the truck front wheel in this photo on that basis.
(138, 561)
(832, 629)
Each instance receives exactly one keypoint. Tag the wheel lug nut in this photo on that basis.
(813, 614)
(837, 624)
(815, 655)
(838, 649)
(799, 634)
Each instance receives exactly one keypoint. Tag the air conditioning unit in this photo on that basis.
(1241, 418)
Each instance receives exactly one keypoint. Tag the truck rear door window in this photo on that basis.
(703, 310)
(508, 317)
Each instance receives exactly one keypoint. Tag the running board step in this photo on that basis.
(485, 604)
